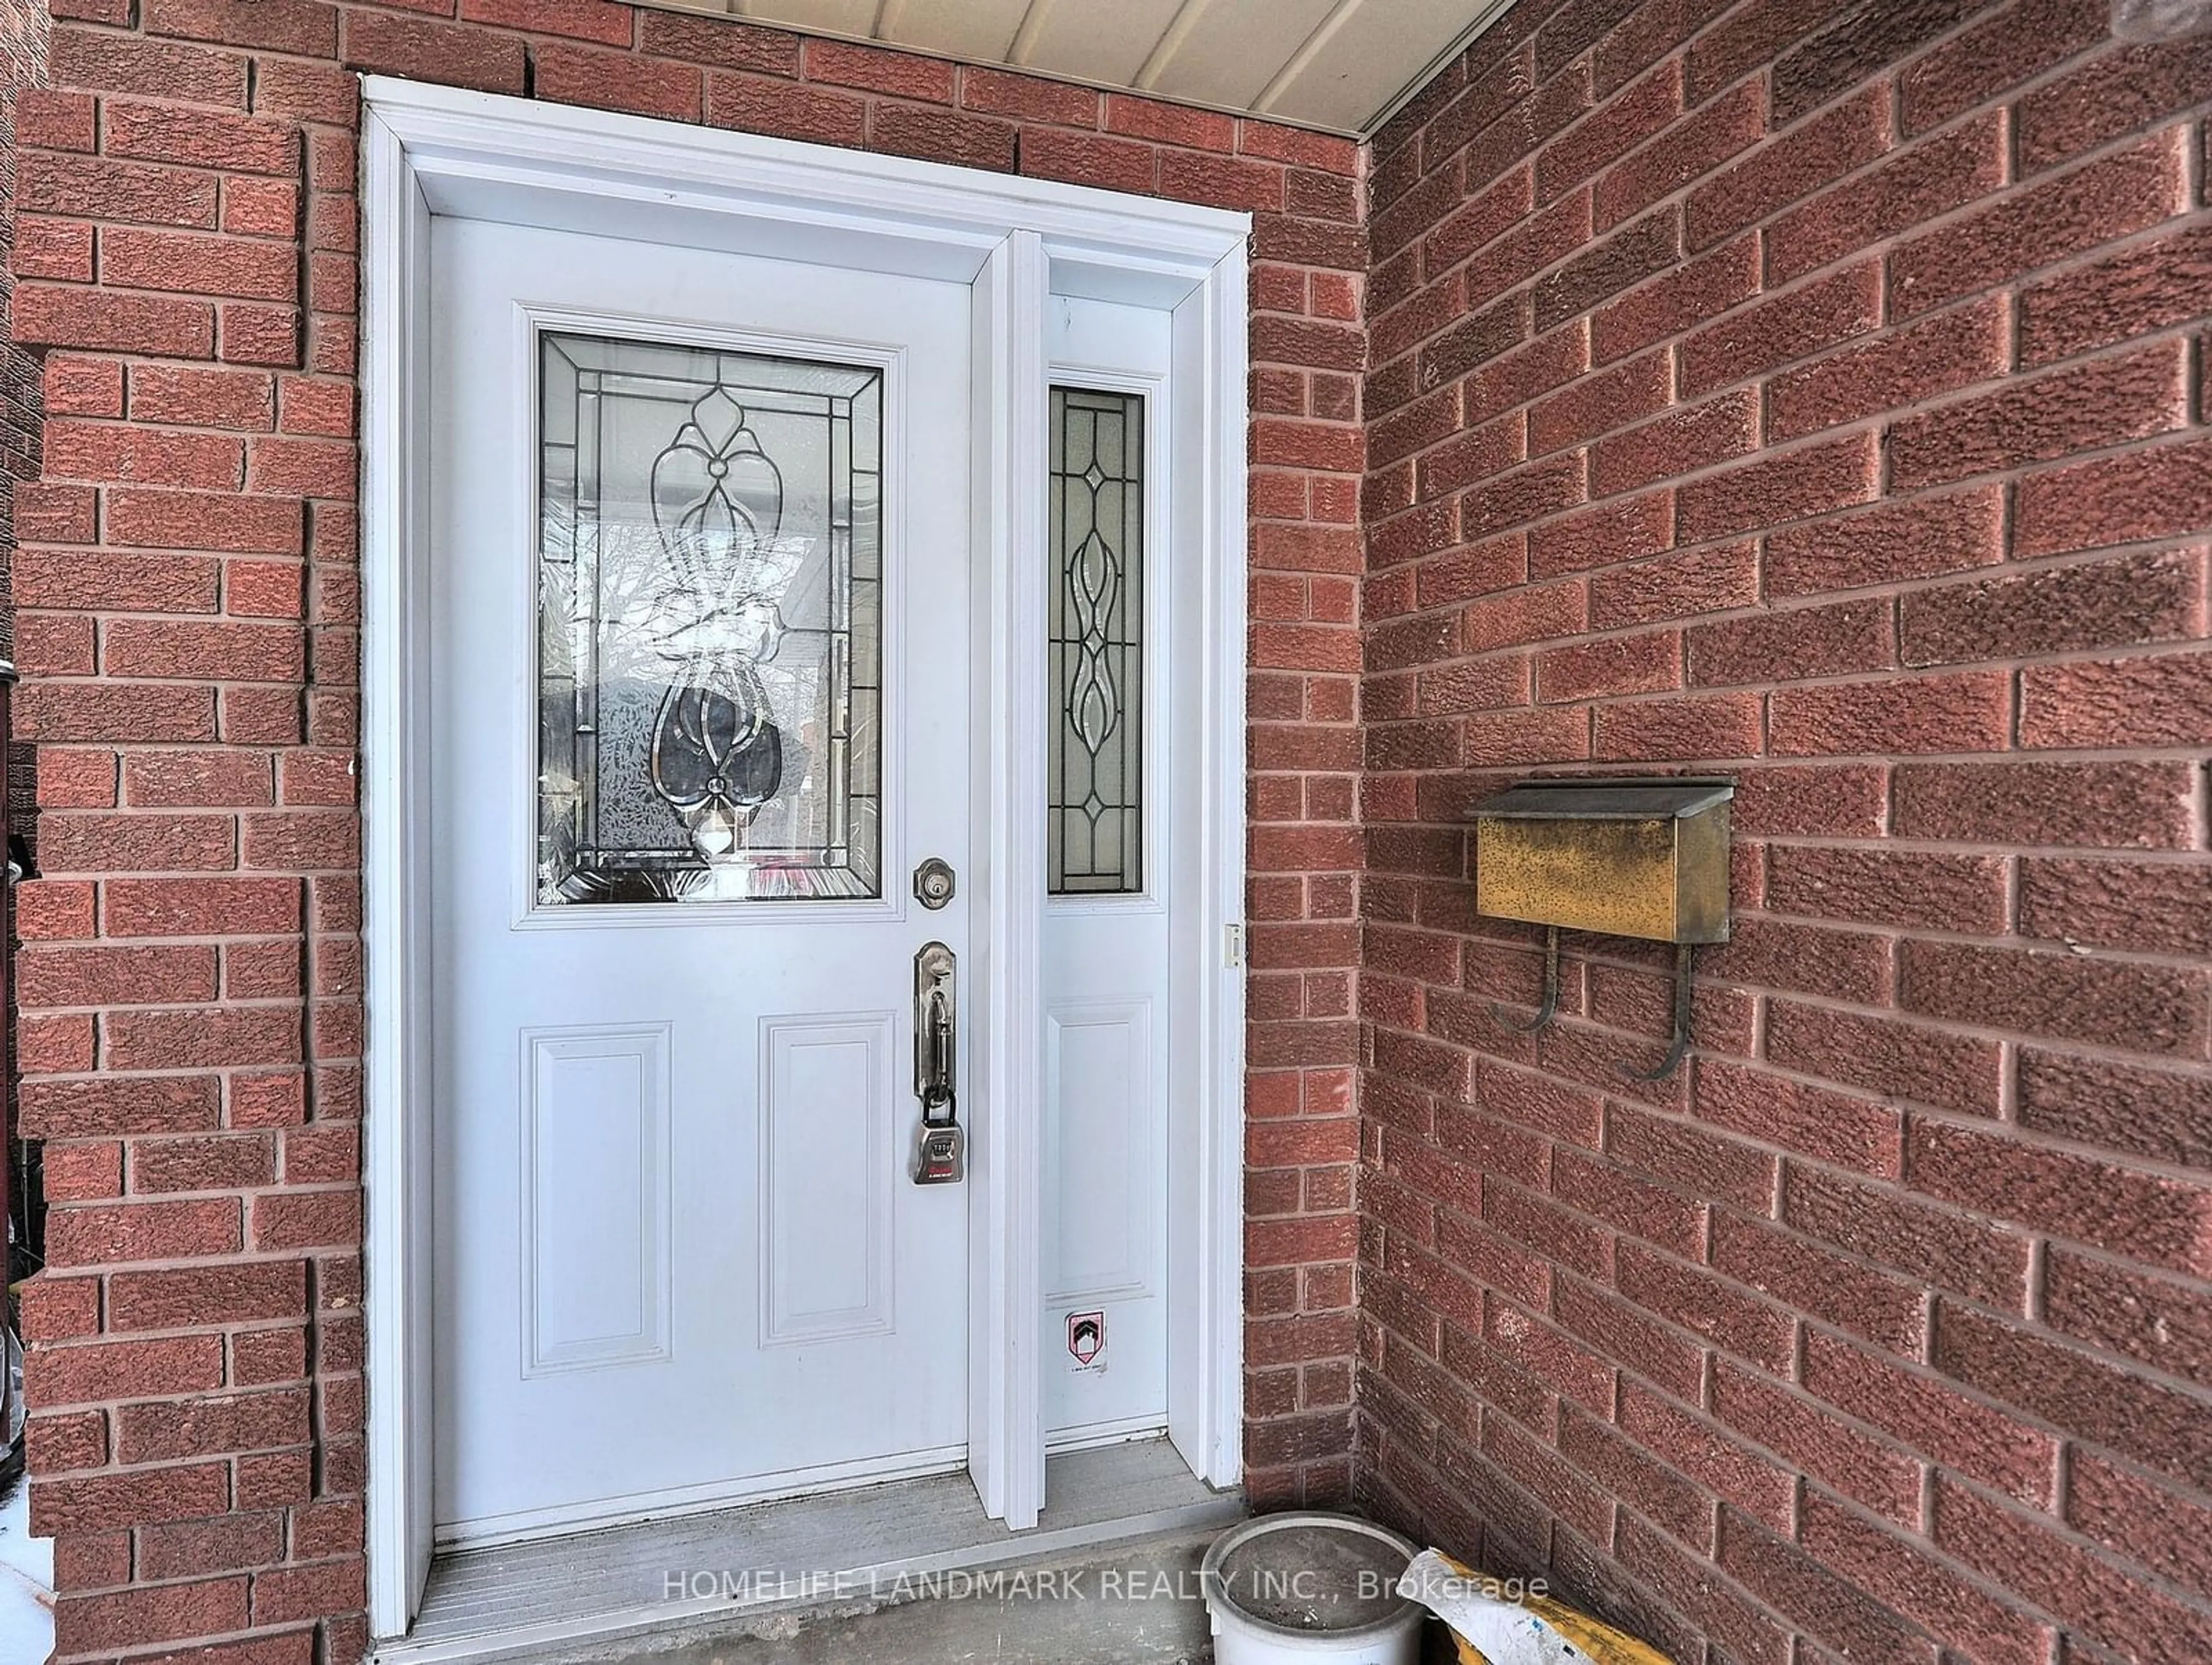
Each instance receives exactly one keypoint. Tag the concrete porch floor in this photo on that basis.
(1131, 1604)
(1134, 1603)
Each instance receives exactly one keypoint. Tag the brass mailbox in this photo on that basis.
(1627, 858)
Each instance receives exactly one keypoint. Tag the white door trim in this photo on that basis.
(435, 150)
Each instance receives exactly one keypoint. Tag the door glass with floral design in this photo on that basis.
(710, 635)
(1094, 817)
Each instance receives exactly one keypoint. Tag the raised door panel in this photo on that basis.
(595, 1227)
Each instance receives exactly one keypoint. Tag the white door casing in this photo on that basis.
(1014, 243)
(670, 1133)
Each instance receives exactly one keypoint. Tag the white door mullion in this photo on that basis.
(1005, 1415)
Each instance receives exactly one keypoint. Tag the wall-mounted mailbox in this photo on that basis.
(1630, 858)
(1626, 858)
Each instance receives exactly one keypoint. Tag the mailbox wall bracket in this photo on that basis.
(1550, 1007)
(1681, 1044)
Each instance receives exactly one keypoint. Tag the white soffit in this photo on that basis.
(1341, 66)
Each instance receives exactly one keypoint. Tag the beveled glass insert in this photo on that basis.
(710, 625)
(1094, 823)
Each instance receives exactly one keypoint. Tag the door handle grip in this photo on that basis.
(936, 1030)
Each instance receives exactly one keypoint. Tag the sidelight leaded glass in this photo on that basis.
(710, 635)
(1095, 815)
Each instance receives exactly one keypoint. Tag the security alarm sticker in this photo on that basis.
(1087, 1340)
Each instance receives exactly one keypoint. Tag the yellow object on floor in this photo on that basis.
(1493, 1629)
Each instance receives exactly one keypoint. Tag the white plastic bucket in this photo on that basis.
(1310, 1587)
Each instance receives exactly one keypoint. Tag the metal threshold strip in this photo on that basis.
(697, 1574)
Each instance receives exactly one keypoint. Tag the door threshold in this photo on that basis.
(842, 1550)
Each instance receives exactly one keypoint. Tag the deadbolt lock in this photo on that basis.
(934, 883)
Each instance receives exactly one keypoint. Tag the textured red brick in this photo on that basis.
(616, 80)
(2087, 1595)
(2094, 204)
(429, 51)
(2138, 1517)
(2133, 495)
(1962, 1434)
(1707, 726)
(2120, 804)
(97, 60)
(2116, 95)
(1773, 489)
(2149, 286)
(1793, 165)
(1680, 442)
(2104, 402)
(58, 249)
(2012, 46)
(1954, 1608)
(1088, 158)
(2166, 1322)
(165, 1612)
(237, 1293)
(2164, 1115)
(1968, 344)
(1694, 1299)
(2146, 1217)
(1867, 1470)
(236, 1543)
(1828, 1606)
(1608, 666)
(171, 325)
(99, 1502)
(161, 132)
(1962, 712)
(717, 42)
(1911, 890)
(1882, 1056)
(102, 976)
(204, 520)
(1687, 149)
(48, 120)
(291, 26)
(80, 385)
(1680, 586)
(1641, 111)
(118, 451)
(116, 191)
(140, 1231)
(2118, 703)
(1666, 304)
(1838, 640)
(1917, 183)
(2151, 597)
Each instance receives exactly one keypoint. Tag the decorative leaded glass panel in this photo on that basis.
(710, 630)
(1095, 818)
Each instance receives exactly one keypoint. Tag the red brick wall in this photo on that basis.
(190, 981)
(23, 30)
(1812, 394)
(22, 64)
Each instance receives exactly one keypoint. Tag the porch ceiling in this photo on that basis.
(1343, 66)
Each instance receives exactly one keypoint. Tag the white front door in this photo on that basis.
(699, 683)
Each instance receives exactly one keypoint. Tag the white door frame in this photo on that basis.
(428, 150)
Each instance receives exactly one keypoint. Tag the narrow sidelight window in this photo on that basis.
(1094, 764)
